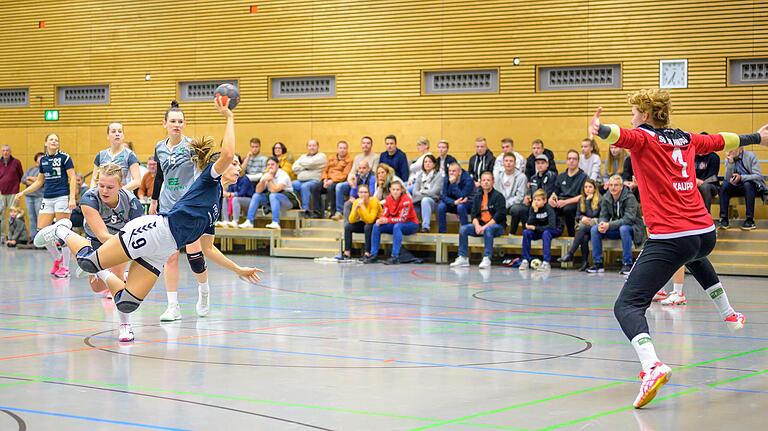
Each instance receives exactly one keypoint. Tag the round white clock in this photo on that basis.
(673, 74)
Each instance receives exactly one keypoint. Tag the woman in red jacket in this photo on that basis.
(398, 219)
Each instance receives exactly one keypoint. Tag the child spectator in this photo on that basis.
(541, 224)
(17, 230)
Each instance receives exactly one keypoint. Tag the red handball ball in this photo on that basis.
(229, 95)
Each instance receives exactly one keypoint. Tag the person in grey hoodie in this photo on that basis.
(427, 189)
(742, 178)
(513, 185)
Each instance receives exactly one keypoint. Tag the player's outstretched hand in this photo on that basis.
(594, 125)
(763, 131)
(222, 107)
(250, 275)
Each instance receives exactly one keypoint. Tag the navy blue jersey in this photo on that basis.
(196, 212)
(55, 168)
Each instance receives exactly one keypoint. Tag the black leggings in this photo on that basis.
(358, 227)
(656, 264)
(581, 240)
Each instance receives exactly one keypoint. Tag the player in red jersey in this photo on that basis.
(681, 230)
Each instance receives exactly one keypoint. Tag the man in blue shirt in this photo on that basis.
(395, 158)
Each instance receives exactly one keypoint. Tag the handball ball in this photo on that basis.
(535, 263)
(229, 94)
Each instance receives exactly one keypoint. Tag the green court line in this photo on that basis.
(5, 385)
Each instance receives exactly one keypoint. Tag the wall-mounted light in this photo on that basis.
(516, 61)
(148, 76)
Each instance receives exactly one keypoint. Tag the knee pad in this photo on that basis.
(88, 260)
(126, 302)
(197, 262)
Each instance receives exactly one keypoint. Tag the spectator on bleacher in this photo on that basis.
(618, 219)
(422, 146)
(148, 181)
(458, 189)
(384, 177)
(274, 188)
(565, 198)
(334, 176)
(482, 161)
(544, 178)
(742, 178)
(587, 215)
(343, 190)
(365, 177)
(285, 159)
(513, 185)
(255, 163)
(628, 177)
(33, 199)
(589, 159)
(236, 196)
(81, 186)
(489, 219)
(443, 158)
(395, 158)
(364, 212)
(17, 229)
(707, 168)
(614, 164)
(309, 169)
(541, 225)
(507, 146)
(427, 189)
(398, 219)
(537, 149)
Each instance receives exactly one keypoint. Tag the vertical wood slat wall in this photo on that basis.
(377, 50)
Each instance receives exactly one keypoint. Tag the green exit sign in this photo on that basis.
(52, 115)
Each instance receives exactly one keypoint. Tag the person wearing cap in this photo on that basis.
(543, 178)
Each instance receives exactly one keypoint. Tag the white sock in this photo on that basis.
(203, 287)
(173, 298)
(55, 253)
(124, 317)
(103, 275)
(717, 293)
(677, 288)
(66, 254)
(62, 232)
(645, 351)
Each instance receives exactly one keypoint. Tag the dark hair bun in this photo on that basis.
(174, 104)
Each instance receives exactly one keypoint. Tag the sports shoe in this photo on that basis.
(545, 266)
(203, 305)
(61, 272)
(338, 216)
(652, 382)
(56, 265)
(724, 225)
(393, 260)
(273, 225)
(220, 224)
(461, 261)
(660, 295)
(173, 312)
(735, 321)
(524, 265)
(625, 269)
(47, 235)
(597, 268)
(245, 225)
(342, 257)
(231, 224)
(125, 333)
(371, 259)
(674, 298)
(748, 224)
(567, 258)
(485, 263)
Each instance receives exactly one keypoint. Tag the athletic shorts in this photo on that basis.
(55, 205)
(148, 241)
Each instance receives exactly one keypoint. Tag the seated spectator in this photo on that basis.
(363, 215)
(148, 181)
(17, 229)
(587, 215)
(589, 159)
(364, 176)
(618, 218)
(481, 161)
(565, 198)
(489, 219)
(458, 189)
(742, 178)
(274, 188)
(395, 158)
(422, 146)
(254, 163)
(541, 225)
(309, 169)
(507, 146)
(537, 149)
(513, 186)
(398, 219)
(443, 158)
(384, 177)
(334, 175)
(707, 168)
(371, 158)
(544, 178)
(628, 177)
(427, 189)
(614, 164)
(285, 159)
(235, 197)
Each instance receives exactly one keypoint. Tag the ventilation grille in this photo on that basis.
(200, 91)
(303, 87)
(462, 81)
(14, 97)
(83, 95)
(749, 72)
(580, 77)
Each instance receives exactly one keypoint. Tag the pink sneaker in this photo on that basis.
(652, 382)
(125, 333)
(56, 265)
(61, 272)
(735, 321)
(660, 295)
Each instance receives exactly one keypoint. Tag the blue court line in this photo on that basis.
(92, 419)
(749, 391)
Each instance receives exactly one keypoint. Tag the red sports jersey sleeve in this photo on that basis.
(706, 144)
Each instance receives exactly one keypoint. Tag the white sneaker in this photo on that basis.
(273, 225)
(485, 263)
(231, 224)
(674, 298)
(173, 312)
(125, 333)
(220, 224)
(245, 225)
(460, 261)
(47, 235)
(545, 266)
(524, 265)
(203, 303)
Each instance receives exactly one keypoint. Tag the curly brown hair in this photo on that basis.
(653, 101)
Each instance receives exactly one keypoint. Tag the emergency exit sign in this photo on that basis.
(52, 115)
